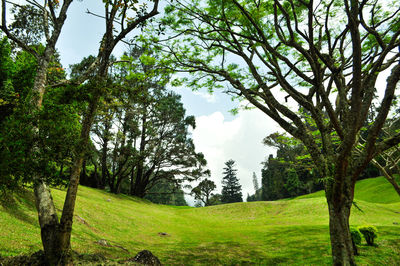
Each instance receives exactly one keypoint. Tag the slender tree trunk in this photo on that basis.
(132, 188)
(104, 170)
(60, 173)
(118, 185)
(70, 198)
(96, 176)
(138, 190)
(83, 172)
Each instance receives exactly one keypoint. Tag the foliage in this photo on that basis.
(166, 193)
(355, 235)
(58, 121)
(231, 189)
(141, 128)
(215, 199)
(370, 233)
(28, 24)
(8, 96)
(203, 191)
(292, 172)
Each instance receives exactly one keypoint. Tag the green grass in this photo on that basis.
(287, 232)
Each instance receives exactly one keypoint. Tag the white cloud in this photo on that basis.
(209, 97)
(239, 139)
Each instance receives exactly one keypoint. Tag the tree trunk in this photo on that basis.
(66, 221)
(139, 188)
(96, 177)
(47, 214)
(104, 170)
(60, 173)
(83, 176)
(339, 205)
(48, 221)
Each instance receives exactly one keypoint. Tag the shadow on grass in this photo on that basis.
(279, 246)
(12, 204)
(221, 253)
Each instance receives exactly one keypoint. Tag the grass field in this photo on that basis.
(286, 232)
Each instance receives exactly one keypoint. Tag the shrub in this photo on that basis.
(355, 235)
(355, 239)
(369, 232)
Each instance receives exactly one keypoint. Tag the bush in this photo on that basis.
(369, 232)
(355, 235)
(355, 239)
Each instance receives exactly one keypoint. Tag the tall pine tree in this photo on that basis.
(231, 189)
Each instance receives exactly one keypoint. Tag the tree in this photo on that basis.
(53, 16)
(167, 193)
(255, 182)
(141, 127)
(215, 199)
(257, 191)
(313, 51)
(231, 189)
(56, 233)
(291, 173)
(203, 191)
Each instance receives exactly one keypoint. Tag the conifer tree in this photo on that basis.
(231, 189)
(255, 182)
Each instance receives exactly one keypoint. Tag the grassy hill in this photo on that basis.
(283, 232)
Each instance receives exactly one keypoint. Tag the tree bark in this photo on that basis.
(132, 185)
(342, 247)
(340, 194)
(104, 169)
(48, 221)
(139, 188)
(70, 198)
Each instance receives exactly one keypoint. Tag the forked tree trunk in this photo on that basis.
(47, 214)
(48, 221)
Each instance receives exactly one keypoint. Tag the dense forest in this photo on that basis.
(327, 72)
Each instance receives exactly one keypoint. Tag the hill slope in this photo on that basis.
(376, 190)
(282, 232)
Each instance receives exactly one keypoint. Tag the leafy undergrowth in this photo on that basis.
(288, 232)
